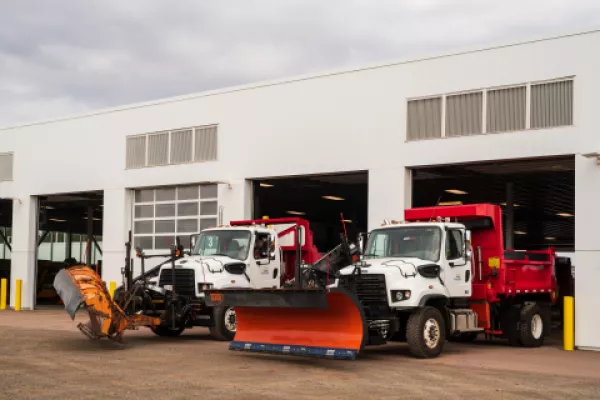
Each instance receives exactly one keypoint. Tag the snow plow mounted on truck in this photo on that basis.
(441, 274)
(170, 298)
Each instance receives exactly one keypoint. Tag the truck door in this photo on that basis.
(263, 271)
(458, 272)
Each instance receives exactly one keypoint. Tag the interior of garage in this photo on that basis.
(542, 191)
(5, 240)
(542, 194)
(70, 232)
(320, 199)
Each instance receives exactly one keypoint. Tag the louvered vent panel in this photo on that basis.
(552, 104)
(464, 114)
(424, 119)
(181, 147)
(158, 149)
(506, 109)
(136, 152)
(206, 144)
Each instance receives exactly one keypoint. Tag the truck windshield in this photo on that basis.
(230, 243)
(418, 242)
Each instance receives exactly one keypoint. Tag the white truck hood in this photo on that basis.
(407, 266)
(210, 270)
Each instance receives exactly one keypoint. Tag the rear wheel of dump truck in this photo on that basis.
(532, 327)
(426, 332)
(167, 331)
(224, 323)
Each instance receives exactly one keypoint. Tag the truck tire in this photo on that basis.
(511, 325)
(532, 326)
(426, 332)
(166, 331)
(224, 323)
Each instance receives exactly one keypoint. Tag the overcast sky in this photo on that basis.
(60, 57)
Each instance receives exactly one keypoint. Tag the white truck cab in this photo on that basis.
(223, 257)
(397, 253)
(414, 280)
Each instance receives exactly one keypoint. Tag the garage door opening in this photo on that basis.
(542, 192)
(70, 232)
(5, 242)
(320, 199)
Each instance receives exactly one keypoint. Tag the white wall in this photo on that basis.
(337, 122)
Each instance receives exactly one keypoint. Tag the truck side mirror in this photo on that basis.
(468, 249)
(363, 237)
(192, 242)
(271, 249)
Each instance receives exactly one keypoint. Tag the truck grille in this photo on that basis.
(369, 288)
(185, 281)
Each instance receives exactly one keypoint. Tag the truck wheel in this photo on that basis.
(426, 332)
(224, 323)
(166, 331)
(532, 326)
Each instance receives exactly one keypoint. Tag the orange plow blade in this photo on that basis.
(80, 287)
(321, 324)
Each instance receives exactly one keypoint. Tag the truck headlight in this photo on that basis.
(204, 286)
(399, 295)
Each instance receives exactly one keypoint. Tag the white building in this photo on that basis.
(528, 101)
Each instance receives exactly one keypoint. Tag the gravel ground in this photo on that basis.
(44, 356)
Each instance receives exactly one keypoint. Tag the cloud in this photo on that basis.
(63, 57)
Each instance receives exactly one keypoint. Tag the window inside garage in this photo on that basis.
(160, 214)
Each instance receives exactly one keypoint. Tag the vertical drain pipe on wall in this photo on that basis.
(509, 234)
(90, 233)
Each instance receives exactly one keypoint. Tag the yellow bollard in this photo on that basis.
(18, 295)
(3, 294)
(569, 323)
(113, 287)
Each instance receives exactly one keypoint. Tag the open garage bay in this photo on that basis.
(320, 199)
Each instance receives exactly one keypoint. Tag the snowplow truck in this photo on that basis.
(251, 254)
(246, 254)
(441, 274)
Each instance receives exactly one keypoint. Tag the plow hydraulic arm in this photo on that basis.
(80, 287)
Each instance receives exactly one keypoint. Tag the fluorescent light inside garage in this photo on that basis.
(296, 212)
(335, 198)
(565, 215)
(455, 191)
(263, 184)
(520, 233)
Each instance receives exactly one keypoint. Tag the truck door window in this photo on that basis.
(261, 246)
(455, 245)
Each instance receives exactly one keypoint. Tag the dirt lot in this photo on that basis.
(44, 356)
